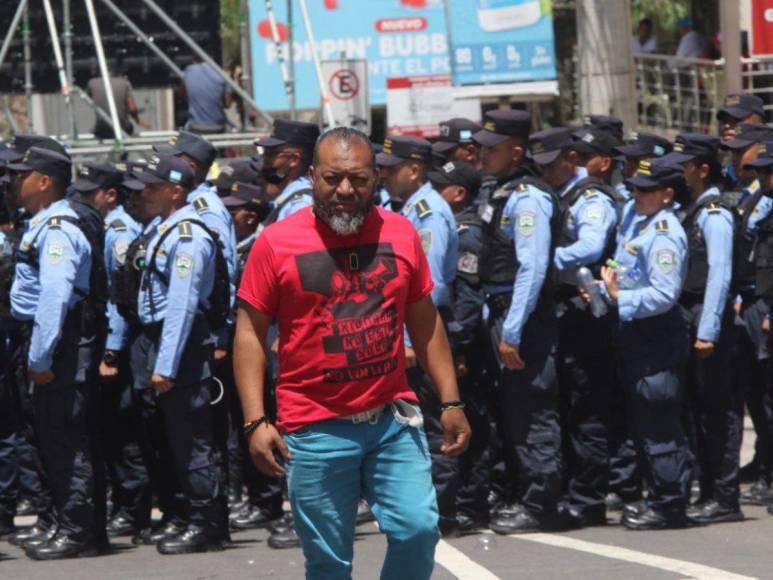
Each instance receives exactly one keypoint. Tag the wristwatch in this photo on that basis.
(110, 358)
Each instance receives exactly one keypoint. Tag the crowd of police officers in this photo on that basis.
(607, 302)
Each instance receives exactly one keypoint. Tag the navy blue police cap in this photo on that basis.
(455, 132)
(764, 159)
(457, 173)
(238, 171)
(741, 105)
(403, 148)
(545, 146)
(169, 169)
(93, 176)
(655, 173)
(287, 131)
(244, 195)
(190, 144)
(749, 134)
(645, 145)
(44, 161)
(501, 125)
(21, 143)
(594, 140)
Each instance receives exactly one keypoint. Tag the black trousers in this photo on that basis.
(179, 425)
(653, 353)
(717, 407)
(529, 405)
(586, 377)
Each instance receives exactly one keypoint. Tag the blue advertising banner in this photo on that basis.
(399, 38)
(501, 41)
(492, 41)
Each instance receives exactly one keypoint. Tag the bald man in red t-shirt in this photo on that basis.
(343, 279)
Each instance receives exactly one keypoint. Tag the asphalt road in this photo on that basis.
(722, 552)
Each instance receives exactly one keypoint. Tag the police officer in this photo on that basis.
(455, 142)
(706, 297)
(405, 162)
(739, 108)
(519, 214)
(585, 369)
(641, 146)
(238, 171)
(740, 182)
(644, 287)
(595, 149)
(458, 183)
(51, 294)
(287, 155)
(100, 184)
(745, 195)
(751, 358)
(174, 353)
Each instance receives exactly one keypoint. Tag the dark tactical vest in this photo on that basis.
(745, 243)
(125, 280)
(8, 269)
(588, 186)
(498, 260)
(697, 253)
(763, 258)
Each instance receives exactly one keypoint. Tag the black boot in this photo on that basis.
(651, 519)
(713, 512)
(191, 541)
(33, 535)
(149, 537)
(255, 517)
(521, 522)
(60, 547)
(120, 526)
(284, 538)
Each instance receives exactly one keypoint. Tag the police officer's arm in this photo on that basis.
(250, 363)
(529, 217)
(596, 217)
(116, 244)
(717, 227)
(664, 266)
(60, 255)
(430, 343)
(188, 260)
(435, 239)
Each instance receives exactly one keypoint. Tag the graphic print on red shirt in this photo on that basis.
(340, 305)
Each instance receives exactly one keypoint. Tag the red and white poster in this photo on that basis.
(762, 28)
(415, 105)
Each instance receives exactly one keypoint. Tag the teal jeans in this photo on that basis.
(334, 463)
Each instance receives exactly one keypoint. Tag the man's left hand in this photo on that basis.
(456, 432)
(703, 349)
(161, 384)
(41, 378)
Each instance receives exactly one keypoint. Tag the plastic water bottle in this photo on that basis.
(587, 282)
(627, 278)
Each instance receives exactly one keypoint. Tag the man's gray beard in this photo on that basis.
(345, 224)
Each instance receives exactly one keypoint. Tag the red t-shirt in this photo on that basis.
(340, 303)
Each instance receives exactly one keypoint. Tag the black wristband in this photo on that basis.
(248, 428)
(448, 405)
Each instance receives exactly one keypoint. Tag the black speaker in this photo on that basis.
(125, 52)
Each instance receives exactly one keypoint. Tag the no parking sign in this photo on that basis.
(347, 87)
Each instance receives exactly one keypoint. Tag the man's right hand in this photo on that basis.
(263, 441)
(511, 356)
(107, 372)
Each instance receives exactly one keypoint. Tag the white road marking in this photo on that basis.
(459, 564)
(687, 569)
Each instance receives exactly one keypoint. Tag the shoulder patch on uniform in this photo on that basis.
(185, 231)
(183, 263)
(666, 260)
(200, 204)
(119, 250)
(55, 222)
(426, 240)
(55, 252)
(525, 222)
(468, 263)
(661, 226)
(423, 209)
(118, 226)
